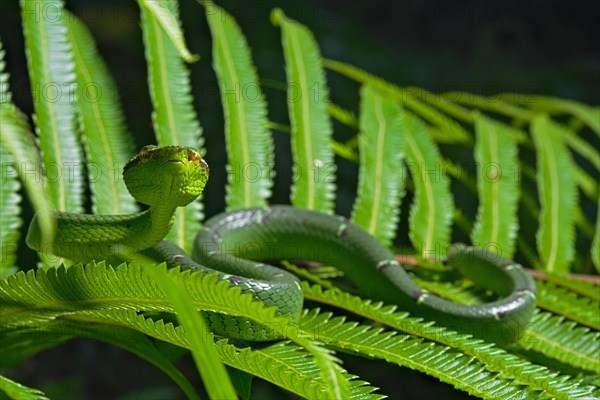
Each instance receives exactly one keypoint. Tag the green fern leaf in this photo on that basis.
(10, 220)
(558, 196)
(578, 286)
(381, 178)
(249, 142)
(314, 168)
(174, 119)
(496, 359)
(17, 140)
(568, 304)
(491, 104)
(588, 114)
(563, 340)
(431, 212)
(43, 295)
(162, 13)
(16, 391)
(596, 241)
(444, 363)
(497, 183)
(453, 132)
(284, 363)
(107, 143)
(52, 75)
(116, 335)
(213, 372)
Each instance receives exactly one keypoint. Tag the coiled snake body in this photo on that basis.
(235, 244)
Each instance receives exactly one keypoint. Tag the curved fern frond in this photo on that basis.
(213, 372)
(563, 340)
(105, 137)
(496, 359)
(10, 220)
(162, 14)
(284, 363)
(596, 241)
(497, 183)
(558, 196)
(52, 75)
(453, 132)
(588, 114)
(448, 365)
(314, 168)
(576, 285)
(17, 391)
(120, 336)
(566, 303)
(381, 177)
(43, 295)
(17, 140)
(491, 104)
(174, 118)
(249, 143)
(431, 212)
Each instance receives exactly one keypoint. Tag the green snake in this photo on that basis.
(236, 243)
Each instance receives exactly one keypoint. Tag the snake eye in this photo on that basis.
(144, 155)
(194, 157)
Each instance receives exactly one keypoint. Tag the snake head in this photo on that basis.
(166, 175)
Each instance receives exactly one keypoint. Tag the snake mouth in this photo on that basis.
(175, 161)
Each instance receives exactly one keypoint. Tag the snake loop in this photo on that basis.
(236, 244)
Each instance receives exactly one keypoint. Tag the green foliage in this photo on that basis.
(381, 181)
(558, 196)
(174, 119)
(311, 128)
(107, 143)
(249, 142)
(498, 190)
(130, 306)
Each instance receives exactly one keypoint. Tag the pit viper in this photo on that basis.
(238, 243)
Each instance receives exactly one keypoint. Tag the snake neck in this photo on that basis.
(157, 222)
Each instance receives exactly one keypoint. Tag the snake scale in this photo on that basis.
(237, 244)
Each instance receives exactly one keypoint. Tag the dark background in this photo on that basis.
(485, 47)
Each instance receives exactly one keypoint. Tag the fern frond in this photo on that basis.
(17, 140)
(284, 363)
(381, 177)
(314, 167)
(10, 219)
(431, 212)
(588, 114)
(567, 303)
(440, 102)
(596, 241)
(497, 183)
(249, 143)
(491, 104)
(17, 391)
(174, 118)
(558, 196)
(162, 13)
(43, 295)
(496, 359)
(576, 285)
(562, 340)
(52, 75)
(105, 137)
(448, 365)
(211, 369)
(453, 131)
